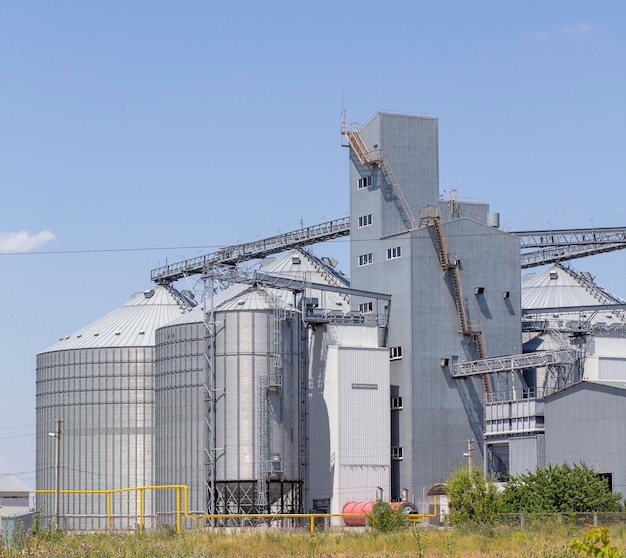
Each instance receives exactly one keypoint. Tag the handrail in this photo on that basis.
(184, 509)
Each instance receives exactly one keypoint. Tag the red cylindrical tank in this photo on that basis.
(357, 507)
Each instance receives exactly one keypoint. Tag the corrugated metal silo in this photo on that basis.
(258, 411)
(179, 427)
(99, 382)
(257, 365)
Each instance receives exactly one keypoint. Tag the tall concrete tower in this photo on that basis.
(454, 278)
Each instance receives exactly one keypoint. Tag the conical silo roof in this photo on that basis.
(295, 264)
(562, 287)
(131, 325)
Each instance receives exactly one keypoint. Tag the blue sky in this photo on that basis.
(139, 132)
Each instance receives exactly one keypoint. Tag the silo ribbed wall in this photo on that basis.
(247, 434)
(105, 399)
(244, 361)
(179, 417)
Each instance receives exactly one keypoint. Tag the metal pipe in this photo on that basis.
(57, 465)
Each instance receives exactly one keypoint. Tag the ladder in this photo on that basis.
(430, 215)
(377, 158)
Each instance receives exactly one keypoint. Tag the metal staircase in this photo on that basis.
(376, 158)
(430, 215)
(585, 281)
(326, 273)
(270, 385)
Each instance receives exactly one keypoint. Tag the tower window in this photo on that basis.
(365, 259)
(393, 253)
(366, 307)
(396, 453)
(365, 182)
(365, 220)
(396, 403)
(395, 353)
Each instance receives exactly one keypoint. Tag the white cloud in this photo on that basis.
(23, 241)
(580, 29)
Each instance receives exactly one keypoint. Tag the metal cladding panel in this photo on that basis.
(608, 346)
(410, 145)
(105, 400)
(585, 423)
(525, 453)
(179, 417)
(242, 357)
(243, 361)
(131, 325)
(352, 336)
(356, 392)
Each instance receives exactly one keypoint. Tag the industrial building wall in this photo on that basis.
(105, 399)
(585, 423)
(410, 145)
(526, 453)
(605, 357)
(349, 425)
(438, 413)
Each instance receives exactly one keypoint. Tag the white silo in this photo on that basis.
(99, 381)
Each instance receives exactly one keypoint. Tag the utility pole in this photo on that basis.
(57, 465)
(468, 454)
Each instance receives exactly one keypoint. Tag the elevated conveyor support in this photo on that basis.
(233, 255)
(558, 246)
(515, 363)
(551, 246)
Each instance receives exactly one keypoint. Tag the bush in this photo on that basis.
(472, 499)
(385, 519)
(560, 489)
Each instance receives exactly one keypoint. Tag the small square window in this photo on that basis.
(365, 220)
(396, 453)
(393, 253)
(395, 353)
(365, 182)
(365, 259)
(396, 403)
(366, 307)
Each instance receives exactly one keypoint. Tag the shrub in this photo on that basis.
(560, 488)
(472, 499)
(385, 519)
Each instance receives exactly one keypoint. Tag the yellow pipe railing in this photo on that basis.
(414, 517)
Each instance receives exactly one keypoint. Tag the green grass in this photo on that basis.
(549, 541)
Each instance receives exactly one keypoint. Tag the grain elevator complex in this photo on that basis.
(284, 386)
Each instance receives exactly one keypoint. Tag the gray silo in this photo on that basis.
(99, 382)
(258, 367)
(179, 391)
(258, 379)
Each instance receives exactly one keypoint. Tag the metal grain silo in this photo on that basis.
(256, 363)
(258, 377)
(179, 425)
(99, 382)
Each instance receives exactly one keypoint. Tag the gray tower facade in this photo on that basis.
(455, 286)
